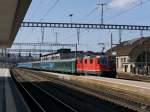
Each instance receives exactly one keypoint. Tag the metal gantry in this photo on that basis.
(30, 50)
(44, 44)
(85, 26)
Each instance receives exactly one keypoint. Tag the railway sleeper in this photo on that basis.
(113, 96)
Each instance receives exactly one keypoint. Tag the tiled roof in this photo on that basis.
(126, 47)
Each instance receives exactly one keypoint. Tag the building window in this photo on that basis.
(117, 63)
(124, 60)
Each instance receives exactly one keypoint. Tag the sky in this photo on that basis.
(134, 12)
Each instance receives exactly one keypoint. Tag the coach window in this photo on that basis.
(91, 61)
(81, 61)
(78, 61)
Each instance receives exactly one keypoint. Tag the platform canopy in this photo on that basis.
(12, 13)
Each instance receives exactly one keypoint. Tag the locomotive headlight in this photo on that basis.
(114, 53)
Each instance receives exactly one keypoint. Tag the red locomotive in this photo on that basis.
(98, 65)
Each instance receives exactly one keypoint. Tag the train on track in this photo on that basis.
(98, 65)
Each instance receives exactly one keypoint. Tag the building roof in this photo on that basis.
(50, 54)
(12, 13)
(126, 47)
(68, 51)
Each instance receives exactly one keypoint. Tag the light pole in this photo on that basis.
(71, 15)
(56, 37)
(102, 11)
(42, 32)
(78, 35)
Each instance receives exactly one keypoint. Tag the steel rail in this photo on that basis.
(52, 96)
(39, 76)
(66, 105)
(42, 109)
(107, 95)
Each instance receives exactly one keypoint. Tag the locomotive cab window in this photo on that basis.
(98, 60)
(85, 61)
(103, 60)
(91, 61)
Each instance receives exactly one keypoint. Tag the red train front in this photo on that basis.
(98, 65)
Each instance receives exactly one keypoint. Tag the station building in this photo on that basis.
(61, 54)
(133, 56)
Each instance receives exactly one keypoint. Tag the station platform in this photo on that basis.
(10, 98)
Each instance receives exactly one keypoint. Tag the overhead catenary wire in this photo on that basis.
(35, 10)
(88, 14)
(128, 9)
(50, 9)
(33, 14)
(54, 5)
(135, 5)
(92, 13)
(125, 11)
(84, 31)
(85, 16)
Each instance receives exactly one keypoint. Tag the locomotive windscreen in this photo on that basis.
(103, 60)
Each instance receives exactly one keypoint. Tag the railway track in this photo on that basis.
(81, 100)
(103, 93)
(43, 101)
(142, 78)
